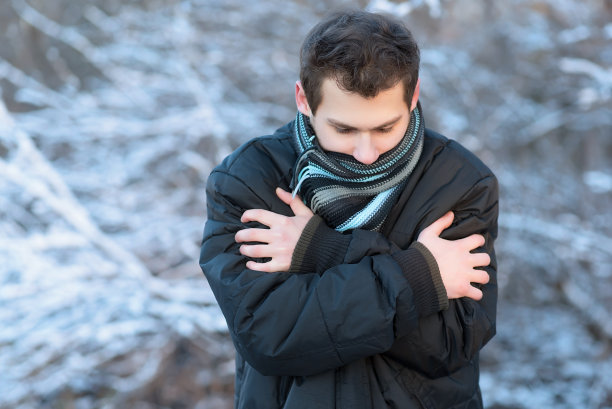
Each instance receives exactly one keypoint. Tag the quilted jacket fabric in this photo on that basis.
(353, 334)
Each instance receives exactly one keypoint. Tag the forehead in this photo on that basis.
(353, 109)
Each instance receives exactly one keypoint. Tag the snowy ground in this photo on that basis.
(112, 115)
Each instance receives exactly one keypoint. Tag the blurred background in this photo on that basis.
(114, 112)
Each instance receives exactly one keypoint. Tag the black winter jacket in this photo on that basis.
(354, 335)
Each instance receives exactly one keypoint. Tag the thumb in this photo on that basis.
(285, 196)
(441, 224)
(299, 208)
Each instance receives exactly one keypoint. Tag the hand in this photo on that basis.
(281, 237)
(455, 261)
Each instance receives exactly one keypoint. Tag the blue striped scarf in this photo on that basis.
(346, 193)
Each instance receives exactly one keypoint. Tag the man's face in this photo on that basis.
(351, 124)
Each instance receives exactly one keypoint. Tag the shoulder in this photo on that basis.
(249, 176)
(447, 177)
(263, 157)
(442, 155)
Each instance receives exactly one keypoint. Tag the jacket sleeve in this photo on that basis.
(301, 324)
(450, 339)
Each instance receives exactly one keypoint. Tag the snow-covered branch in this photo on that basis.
(112, 116)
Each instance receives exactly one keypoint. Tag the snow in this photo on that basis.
(108, 134)
(598, 181)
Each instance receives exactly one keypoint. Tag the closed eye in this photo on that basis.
(349, 130)
(344, 130)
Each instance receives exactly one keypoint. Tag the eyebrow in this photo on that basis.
(350, 127)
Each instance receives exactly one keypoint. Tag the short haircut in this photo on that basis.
(364, 52)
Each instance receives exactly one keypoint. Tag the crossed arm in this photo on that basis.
(302, 324)
(455, 260)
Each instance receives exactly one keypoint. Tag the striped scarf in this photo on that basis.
(346, 193)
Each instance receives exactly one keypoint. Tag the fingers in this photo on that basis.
(262, 216)
(480, 277)
(472, 242)
(278, 241)
(268, 267)
(269, 218)
(278, 262)
(480, 259)
(260, 235)
(256, 250)
(441, 224)
(265, 267)
(474, 293)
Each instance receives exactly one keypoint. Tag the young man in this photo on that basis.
(373, 285)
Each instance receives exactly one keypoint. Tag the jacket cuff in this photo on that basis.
(320, 247)
(421, 270)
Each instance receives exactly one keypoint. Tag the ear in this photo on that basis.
(300, 99)
(415, 95)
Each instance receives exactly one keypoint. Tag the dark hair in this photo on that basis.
(364, 52)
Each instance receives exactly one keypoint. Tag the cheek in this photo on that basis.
(331, 141)
(389, 141)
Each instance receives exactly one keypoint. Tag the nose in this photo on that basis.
(365, 151)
